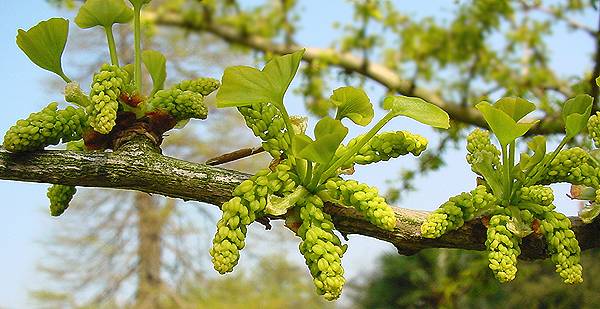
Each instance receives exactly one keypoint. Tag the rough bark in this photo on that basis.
(138, 165)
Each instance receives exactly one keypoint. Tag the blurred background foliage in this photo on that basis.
(131, 250)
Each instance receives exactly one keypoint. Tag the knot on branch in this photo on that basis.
(152, 126)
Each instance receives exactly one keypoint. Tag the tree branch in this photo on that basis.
(349, 62)
(138, 165)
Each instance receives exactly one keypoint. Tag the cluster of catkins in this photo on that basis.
(533, 204)
(320, 246)
(110, 94)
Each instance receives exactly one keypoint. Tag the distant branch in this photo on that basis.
(372, 70)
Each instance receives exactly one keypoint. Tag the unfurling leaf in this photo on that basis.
(329, 134)
(278, 206)
(354, 104)
(504, 126)
(103, 13)
(417, 109)
(516, 108)
(44, 44)
(589, 213)
(483, 166)
(156, 64)
(243, 85)
(576, 113)
(538, 146)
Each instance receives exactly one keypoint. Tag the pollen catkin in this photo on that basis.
(60, 196)
(453, 213)
(479, 141)
(46, 127)
(104, 94)
(503, 248)
(593, 126)
(180, 104)
(321, 248)
(385, 146)
(203, 85)
(266, 123)
(249, 201)
(365, 199)
(563, 246)
(537, 194)
(573, 166)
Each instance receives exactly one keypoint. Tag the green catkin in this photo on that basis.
(563, 246)
(593, 126)
(203, 85)
(266, 123)
(249, 201)
(385, 146)
(537, 194)
(365, 199)
(321, 248)
(453, 213)
(104, 94)
(46, 127)
(479, 141)
(503, 248)
(573, 166)
(60, 196)
(180, 104)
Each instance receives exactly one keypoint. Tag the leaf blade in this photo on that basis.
(418, 109)
(44, 44)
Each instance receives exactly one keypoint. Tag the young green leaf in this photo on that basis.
(354, 104)
(504, 126)
(576, 113)
(44, 44)
(483, 166)
(242, 85)
(156, 64)
(538, 146)
(417, 109)
(516, 108)
(598, 81)
(103, 13)
(329, 134)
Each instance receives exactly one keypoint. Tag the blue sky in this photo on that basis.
(25, 221)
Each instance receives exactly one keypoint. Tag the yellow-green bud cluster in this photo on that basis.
(365, 199)
(479, 141)
(60, 196)
(266, 122)
(458, 209)
(573, 166)
(180, 104)
(46, 127)
(536, 194)
(250, 199)
(104, 94)
(385, 146)
(503, 248)
(593, 126)
(321, 248)
(203, 85)
(563, 246)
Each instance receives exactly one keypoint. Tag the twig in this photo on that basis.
(234, 155)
